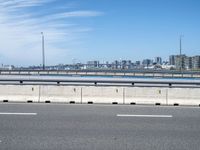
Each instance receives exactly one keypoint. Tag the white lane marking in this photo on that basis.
(148, 116)
(25, 114)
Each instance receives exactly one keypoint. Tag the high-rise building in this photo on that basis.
(188, 63)
(196, 62)
(137, 63)
(183, 62)
(158, 60)
(126, 64)
(180, 62)
(116, 64)
(147, 62)
(172, 59)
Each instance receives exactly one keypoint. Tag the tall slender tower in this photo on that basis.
(181, 58)
(43, 53)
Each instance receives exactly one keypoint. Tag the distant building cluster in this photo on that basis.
(185, 62)
(6, 67)
(126, 64)
(175, 62)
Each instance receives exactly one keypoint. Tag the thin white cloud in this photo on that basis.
(13, 5)
(20, 30)
(80, 14)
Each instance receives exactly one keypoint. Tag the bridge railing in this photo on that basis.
(30, 79)
(86, 72)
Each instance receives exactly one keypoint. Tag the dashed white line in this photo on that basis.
(145, 116)
(23, 114)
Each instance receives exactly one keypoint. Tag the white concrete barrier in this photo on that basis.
(64, 94)
(100, 94)
(19, 93)
(107, 95)
(184, 96)
(145, 95)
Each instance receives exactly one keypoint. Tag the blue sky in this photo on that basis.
(81, 30)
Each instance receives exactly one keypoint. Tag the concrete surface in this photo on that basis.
(100, 94)
(150, 95)
(185, 96)
(20, 93)
(97, 127)
(63, 94)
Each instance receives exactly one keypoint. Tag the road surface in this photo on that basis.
(98, 127)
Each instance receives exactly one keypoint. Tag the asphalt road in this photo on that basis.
(98, 127)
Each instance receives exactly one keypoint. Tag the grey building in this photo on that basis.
(158, 60)
(180, 62)
(137, 63)
(185, 62)
(196, 62)
(172, 59)
(92, 64)
(116, 64)
(188, 63)
(126, 64)
(147, 62)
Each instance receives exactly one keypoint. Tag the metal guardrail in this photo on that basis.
(95, 81)
(101, 72)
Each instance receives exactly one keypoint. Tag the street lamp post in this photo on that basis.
(181, 61)
(43, 53)
(181, 44)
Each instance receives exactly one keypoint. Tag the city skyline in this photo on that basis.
(96, 30)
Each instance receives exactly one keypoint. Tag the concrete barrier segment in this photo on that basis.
(102, 94)
(19, 93)
(63, 94)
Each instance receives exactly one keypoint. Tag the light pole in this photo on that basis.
(181, 61)
(43, 54)
(181, 44)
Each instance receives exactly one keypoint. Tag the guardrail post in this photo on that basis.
(170, 85)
